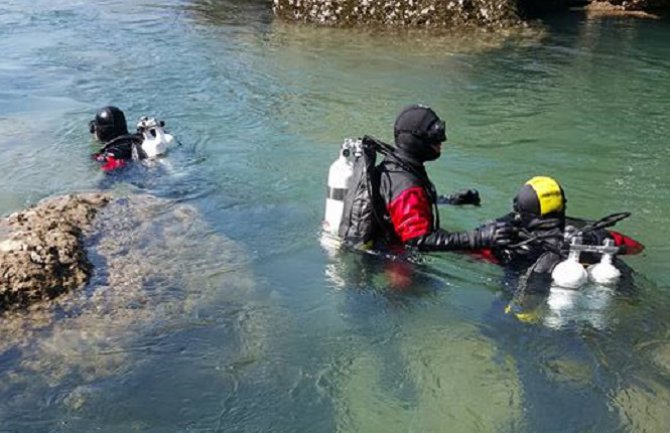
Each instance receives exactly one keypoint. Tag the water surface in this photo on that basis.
(236, 319)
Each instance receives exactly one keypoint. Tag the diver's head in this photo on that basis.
(108, 124)
(419, 132)
(540, 198)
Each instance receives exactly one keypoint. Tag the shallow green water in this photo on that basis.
(275, 335)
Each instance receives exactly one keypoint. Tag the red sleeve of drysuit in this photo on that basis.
(411, 213)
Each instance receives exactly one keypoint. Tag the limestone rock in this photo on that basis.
(41, 249)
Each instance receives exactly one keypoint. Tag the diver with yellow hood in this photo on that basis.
(545, 233)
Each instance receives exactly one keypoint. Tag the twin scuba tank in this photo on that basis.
(155, 141)
(571, 274)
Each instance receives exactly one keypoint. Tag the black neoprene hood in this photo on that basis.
(109, 123)
(417, 130)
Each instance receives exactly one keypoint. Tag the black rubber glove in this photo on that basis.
(466, 196)
(495, 234)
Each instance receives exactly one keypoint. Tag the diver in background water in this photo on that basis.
(119, 147)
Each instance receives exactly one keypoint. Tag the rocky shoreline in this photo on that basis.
(42, 251)
(446, 14)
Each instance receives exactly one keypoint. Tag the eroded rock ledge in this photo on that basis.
(438, 13)
(400, 13)
(41, 249)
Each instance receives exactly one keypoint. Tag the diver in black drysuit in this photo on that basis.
(410, 199)
(119, 147)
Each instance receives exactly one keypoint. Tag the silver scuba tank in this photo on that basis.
(339, 177)
(155, 140)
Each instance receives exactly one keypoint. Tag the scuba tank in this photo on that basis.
(339, 179)
(605, 272)
(570, 273)
(155, 140)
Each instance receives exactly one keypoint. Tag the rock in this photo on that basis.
(441, 13)
(401, 13)
(42, 254)
(156, 264)
(618, 8)
(642, 5)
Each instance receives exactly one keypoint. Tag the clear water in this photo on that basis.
(250, 325)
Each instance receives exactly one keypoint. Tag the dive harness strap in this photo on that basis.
(551, 239)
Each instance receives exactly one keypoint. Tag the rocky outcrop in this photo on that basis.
(155, 263)
(610, 9)
(41, 249)
(436, 13)
(400, 13)
(642, 5)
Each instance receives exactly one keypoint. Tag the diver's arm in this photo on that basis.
(411, 213)
(412, 217)
(495, 234)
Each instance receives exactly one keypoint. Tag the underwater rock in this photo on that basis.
(155, 265)
(643, 406)
(41, 249)
(428, 380)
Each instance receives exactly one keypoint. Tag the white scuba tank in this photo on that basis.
(156, 141)
(570, 273)
(339, 177)
(605, 272)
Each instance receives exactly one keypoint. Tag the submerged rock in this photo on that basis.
(156, 266)
(41, 249)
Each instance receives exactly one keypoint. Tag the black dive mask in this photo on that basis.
(434, 133)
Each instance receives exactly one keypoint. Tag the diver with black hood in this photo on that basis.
(410, 198)
(119, 147)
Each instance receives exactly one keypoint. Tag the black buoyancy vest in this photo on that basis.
(364, 216)
(125, 147)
